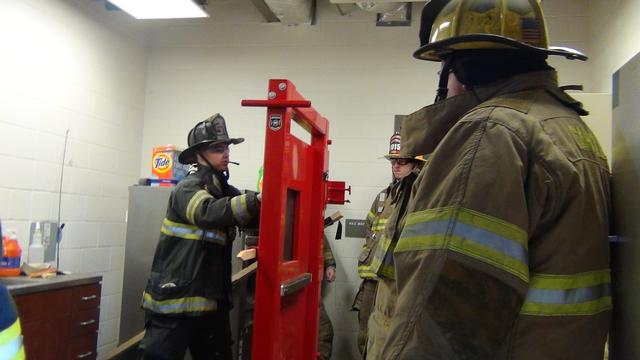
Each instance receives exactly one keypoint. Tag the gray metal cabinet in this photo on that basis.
(147, 208)
(626, 203)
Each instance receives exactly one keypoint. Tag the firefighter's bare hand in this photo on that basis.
(330, 274)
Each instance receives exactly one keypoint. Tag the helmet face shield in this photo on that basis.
(452, 25)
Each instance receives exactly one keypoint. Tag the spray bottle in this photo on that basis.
(36, 250)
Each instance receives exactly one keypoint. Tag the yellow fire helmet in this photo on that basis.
(422, 158)
(451, 25)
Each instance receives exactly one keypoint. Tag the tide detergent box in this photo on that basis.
(166, 170)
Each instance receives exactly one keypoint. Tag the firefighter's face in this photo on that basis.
(454, 86)
(401, 167)
(218, 156)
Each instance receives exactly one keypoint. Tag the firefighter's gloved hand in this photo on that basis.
(259, 197)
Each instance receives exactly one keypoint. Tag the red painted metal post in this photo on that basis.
(291, 226)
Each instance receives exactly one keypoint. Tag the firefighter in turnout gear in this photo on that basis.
(11, 347)
(504, 251)
(325, 328)
(401, 166)
(376, 261)
(188, 294)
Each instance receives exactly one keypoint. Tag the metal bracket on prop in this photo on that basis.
(335, 192)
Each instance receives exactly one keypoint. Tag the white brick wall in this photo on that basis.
(62, 69)
(614, 39)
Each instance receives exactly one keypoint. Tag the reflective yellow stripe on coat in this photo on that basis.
(480, 236)
(191, 232)
(370, 216)
(378, 225)
(180, 305)
(11, 347)
(382, 263)
(194, 204)
(369, 271)
(568, 295)
(239, 209)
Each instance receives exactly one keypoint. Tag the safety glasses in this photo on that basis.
(400, 161)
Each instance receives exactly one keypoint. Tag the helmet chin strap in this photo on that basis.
(443, 82)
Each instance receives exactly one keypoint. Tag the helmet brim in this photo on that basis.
(439, 50)
(188, 156)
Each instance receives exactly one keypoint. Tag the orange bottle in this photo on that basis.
(11, 252)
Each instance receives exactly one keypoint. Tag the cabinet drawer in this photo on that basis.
(85, 297)
(43, 306)
(85, 322)
(83, 347)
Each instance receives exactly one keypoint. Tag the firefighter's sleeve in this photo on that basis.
(327, 253)
(11, 346)
(461, 260)
(373, 213)
(205, 211)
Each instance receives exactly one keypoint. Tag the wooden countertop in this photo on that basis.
(20, 285)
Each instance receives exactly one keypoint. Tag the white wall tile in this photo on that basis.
(4, 204)
(49, 147)
(117, 258)
(78, 154)
(79, 235)
(105, 349)
(343, 319)
(20, 172)
(611, 38)
(345, 345)
(17, 141)
(105, 209)
(96, 260)
(47, 176)
(72, 207)
(108, 331)
(43, 206)
(70, 259)
(116, 185)
(112, 283)
(112, 234)
(110, 307)
(20, 205)
(102, 159)
(348, 269)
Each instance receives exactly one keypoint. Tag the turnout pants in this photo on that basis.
(168, 337)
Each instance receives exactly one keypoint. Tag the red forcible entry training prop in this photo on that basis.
(294, 197)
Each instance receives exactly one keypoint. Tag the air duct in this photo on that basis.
(292, 12)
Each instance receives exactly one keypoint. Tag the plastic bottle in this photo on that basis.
(11, 252)
(36, 250)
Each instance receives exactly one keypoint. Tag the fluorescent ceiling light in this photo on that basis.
(160, 9)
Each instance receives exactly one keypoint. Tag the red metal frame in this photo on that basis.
(286, 326)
